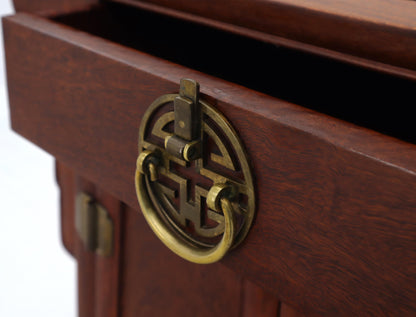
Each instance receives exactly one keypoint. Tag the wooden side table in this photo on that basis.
(320, 95)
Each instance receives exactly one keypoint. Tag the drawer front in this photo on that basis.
(335, 226)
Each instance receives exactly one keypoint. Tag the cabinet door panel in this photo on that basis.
(142, 277)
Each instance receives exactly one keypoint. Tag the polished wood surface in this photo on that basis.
(86, 260)
(156, 282)
(143, 278)
(257, 302)
(66, 180)
(50, 5)
(108, 270)
(379, 34)
(98, 277)
(287, 311)
(335, 230)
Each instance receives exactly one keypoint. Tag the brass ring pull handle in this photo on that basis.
(178, 245)
(193, 180)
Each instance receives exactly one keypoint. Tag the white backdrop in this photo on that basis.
(37, 275)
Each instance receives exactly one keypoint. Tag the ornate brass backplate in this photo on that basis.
(193, 179)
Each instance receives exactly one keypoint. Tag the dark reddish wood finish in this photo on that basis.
(257, 302)
(67, 183)
(108, 269)
(87, 292)
(379, 34)
(335, 231)
(287, 311)
(152, 280)
(50, 5)
(98, 276)
(156, 282)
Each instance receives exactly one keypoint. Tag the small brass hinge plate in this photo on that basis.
(94, 225)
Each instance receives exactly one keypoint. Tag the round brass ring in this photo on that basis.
(180, 247)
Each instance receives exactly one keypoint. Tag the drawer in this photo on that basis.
(331, 145)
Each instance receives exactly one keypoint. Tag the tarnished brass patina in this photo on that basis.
(193, 179)
(94, 225)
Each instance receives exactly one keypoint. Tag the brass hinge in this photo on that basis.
(94, 225)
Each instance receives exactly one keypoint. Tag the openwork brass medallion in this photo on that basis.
(193, 179)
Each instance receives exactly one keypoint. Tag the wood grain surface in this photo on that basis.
(287, 311)
(143, 278)
(66, 180)
(156, 282)
(86, 260)
(335, 229)
(98, 276)
(259, 303)
(108, 269)
(50, 5)
(379, 34)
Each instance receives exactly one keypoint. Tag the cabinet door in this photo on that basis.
(141, 277)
